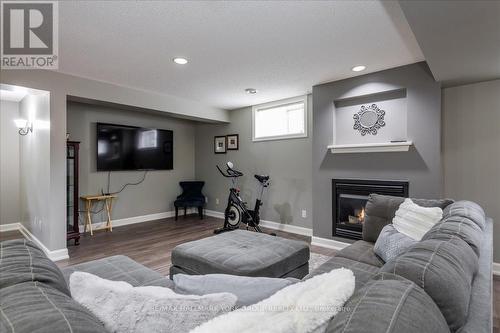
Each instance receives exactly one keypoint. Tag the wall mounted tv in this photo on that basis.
(122, 147)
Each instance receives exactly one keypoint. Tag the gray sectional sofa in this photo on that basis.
(442, 284)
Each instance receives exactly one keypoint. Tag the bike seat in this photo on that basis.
(261, 178)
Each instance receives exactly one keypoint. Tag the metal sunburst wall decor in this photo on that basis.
(369, 119)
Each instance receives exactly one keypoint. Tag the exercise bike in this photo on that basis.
(236, 210)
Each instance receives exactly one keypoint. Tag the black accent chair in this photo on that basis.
(191, 197)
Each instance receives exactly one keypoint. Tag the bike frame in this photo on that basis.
(234, 198)
(248, 217)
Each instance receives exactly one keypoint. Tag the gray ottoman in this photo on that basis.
(243, 253)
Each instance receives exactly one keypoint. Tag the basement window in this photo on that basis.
(286, 119)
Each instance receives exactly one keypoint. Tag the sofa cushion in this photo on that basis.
(381, 209)
(468, 209)
(386, 306)
(457, 226)
(22, 260)
(36, 307)
(363, 252)
(248, 290)
(444, 269)
(362, 272)
(120, 268)
(391, 243)
(480, 317)
(241, 252)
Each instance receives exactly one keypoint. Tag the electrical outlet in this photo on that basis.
(304, 213)
(206, 199)
(216, 201)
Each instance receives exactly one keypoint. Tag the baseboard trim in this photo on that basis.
(138, 219)
(287, 228)
(496, 268)
(57, 255)
(270, 224)
(10, 227)
(54, 255)
(328, 243)
(214, 213)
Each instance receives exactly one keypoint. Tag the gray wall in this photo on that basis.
(288, 162)
(10, 209)
(157, 193)
(471, 147)
(35, 167)
(421, 166)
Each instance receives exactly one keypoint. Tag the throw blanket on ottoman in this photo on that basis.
(304, 307)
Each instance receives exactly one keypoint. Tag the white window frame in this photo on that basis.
(279, 103)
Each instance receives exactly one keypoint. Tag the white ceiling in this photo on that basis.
(460, 39)
(280, 48)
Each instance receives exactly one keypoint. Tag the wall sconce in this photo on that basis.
(24, 126)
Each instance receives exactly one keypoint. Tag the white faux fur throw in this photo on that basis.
(123, 308)
(304, 307)
(414, 221)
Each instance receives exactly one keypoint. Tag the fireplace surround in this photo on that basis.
(349, 197)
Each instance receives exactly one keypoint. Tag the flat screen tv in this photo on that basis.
(122, 147)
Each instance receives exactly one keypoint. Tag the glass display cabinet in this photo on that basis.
(72, 194)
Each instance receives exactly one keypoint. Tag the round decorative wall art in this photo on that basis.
(369, 119)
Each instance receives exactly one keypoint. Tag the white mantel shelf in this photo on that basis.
(371, 147)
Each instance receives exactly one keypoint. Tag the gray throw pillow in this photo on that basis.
(391, 243)
(248, 290)
(381, 209)
(444, 269)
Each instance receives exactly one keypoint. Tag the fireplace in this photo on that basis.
(349, 197)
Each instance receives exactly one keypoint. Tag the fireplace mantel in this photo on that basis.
(371, 147)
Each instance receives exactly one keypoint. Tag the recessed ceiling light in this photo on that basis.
(180, 61)
(251, 91)
(358, 68)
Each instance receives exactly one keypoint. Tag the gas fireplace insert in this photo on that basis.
(349, 197)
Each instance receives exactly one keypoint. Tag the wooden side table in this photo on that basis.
(89, 202)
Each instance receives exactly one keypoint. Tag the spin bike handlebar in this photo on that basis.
(230, 173)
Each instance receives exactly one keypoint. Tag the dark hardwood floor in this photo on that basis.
(151, 243)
